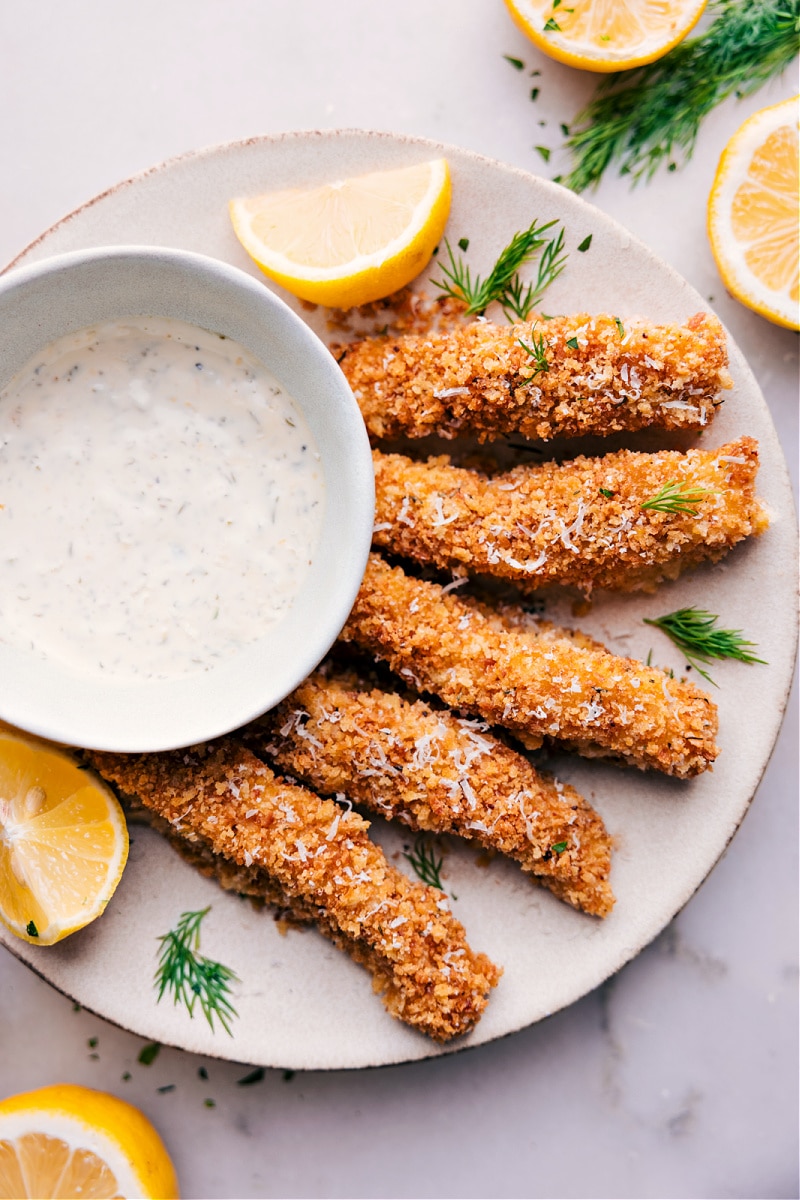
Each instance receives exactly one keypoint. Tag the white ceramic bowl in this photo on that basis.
(41, 303)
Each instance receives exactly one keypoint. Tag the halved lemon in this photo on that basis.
(606, 35)
(754, 211)
(63, 841)
(66, 1141)
(351, 241)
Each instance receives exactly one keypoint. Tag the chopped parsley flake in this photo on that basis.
(255, 1076)
(148, 1054)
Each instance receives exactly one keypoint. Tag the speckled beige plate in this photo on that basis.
(301, 1003)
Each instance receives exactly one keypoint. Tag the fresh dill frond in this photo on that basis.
(642, 118)
(192, 978)
(519, 300)
(538, 352)
(695, 632)
(425, 863)
(678, 497)
(551, 264)
(503, 284)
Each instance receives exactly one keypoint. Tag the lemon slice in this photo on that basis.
(753, 214)
(348, 242)
(63, 842)
(74, 1141)
(606, 35)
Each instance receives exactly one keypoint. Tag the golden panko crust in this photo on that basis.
(601, 377)
(581, 697)
(579, 523)
(225, 799)
(434, 771)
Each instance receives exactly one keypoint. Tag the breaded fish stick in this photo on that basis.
(581, 523)
(319, 857)
(591, 374)
(435, 771)
(581, 696)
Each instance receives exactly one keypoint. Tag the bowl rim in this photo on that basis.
(165, 714)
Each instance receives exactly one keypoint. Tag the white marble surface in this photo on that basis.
(677, 1078)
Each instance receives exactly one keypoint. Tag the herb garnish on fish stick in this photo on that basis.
(538, 352)
(678, 496)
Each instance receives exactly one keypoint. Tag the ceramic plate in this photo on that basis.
(301, 1003)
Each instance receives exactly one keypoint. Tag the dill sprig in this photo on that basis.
(503, 283)
(537, 351)
(641, 118)
(519, 299)
(425, 863)
(678, 497)
(192, 978)
(695, 632)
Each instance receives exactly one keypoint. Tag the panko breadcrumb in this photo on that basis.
(601, 376)
(435, 771)
(580, 696)
(582, 523)
(225, 800)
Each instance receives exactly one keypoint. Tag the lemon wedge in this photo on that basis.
(63, 841)
(73, 1141)
(606, 35)
(351, 241)
(753, 214)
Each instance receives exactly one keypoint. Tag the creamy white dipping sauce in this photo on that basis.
(161, 498)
